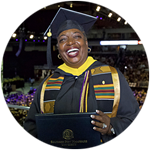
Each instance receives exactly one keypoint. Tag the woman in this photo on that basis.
(83, 84)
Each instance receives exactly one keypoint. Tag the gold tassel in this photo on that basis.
(49, 34)
(86, 97)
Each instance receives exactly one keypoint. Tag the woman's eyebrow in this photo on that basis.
(66, 35)
(62, 35)
(76, 32)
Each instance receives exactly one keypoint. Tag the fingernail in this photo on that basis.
(93, 122)
(94, 128)
(97, 111)
(92, 116)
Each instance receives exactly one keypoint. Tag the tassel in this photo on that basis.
(49, 53)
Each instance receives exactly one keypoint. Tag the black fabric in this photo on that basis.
(51, 96)
(127, 110)
(69, 24)
(105, 105)
(103, 77)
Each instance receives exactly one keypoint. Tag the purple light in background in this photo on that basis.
(38, 40)
(96, 16)
(33, 40)
(16, 39)
(101, 18)
(43, 40)
(26, 40)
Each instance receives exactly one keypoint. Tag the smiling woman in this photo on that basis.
(73, 47)
(82, 84)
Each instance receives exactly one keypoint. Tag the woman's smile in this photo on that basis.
(73, 52)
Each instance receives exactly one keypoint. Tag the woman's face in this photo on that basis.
(73, 47)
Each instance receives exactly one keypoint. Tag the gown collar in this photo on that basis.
(80, 70)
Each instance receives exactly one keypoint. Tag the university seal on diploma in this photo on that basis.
(68, 134)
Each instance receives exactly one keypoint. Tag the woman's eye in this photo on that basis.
(77, 36)
(62, 40)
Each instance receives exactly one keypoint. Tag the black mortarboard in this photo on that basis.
(63, 20)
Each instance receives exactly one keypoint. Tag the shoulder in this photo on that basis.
(105, 68)
(97, 64)
(105, 72)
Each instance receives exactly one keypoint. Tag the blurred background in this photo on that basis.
(112, 40)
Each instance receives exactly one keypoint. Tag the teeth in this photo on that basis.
(71, 50)
(73, 53)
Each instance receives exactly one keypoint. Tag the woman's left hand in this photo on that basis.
(102, 124)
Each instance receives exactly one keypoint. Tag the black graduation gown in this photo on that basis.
(67, 101)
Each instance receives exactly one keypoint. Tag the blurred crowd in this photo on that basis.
(133, 64)
(140, 97)
(136, 68)
(21, 100)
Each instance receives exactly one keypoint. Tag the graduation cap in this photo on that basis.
(63, 20)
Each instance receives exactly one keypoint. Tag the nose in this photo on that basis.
(70, 41)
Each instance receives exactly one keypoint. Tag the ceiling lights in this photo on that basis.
(118, 19)
(45, 37)
(125, 22)
(71, 5)
(14, 35)
(109, 15)
(31, 36)
(120, 42)
(98, 8)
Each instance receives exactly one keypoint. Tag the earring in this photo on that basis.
(89, 50)
(59, 57)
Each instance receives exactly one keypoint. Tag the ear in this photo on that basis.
(57, 46)
(86, 42)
